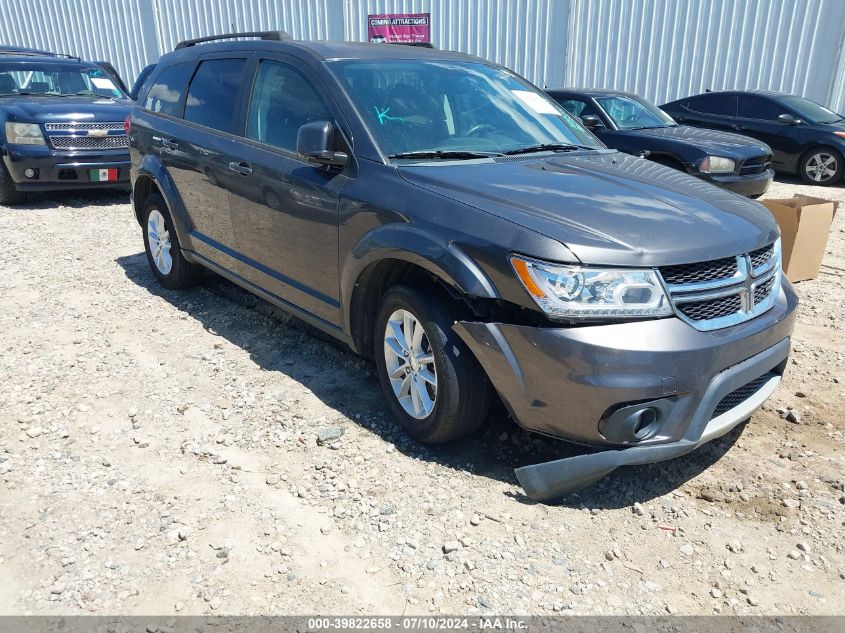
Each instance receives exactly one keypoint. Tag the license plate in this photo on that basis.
(103, 175)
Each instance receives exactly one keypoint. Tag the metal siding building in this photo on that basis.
(661, 49)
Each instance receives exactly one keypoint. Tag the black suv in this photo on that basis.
(61, 125)
(806, 138)
(633, 125)
(440, 214)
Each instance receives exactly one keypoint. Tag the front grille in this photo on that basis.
(756, 165)
(761, 256)
(737, 397)
(723, 292)
(762, 292)
(712, 308)
(701, 271)
(77, 127)
(89, 142)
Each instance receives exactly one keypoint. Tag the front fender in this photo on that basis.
(151, 167)
(416, 246)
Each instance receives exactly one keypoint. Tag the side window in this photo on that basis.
(718, 105)
(759, 108)
(212, 94)
(166, 92)
(574, 106)
(282, 101)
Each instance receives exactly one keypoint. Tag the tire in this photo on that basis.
(816, 164)
(177, 272)
(461, 397)
(9, 194)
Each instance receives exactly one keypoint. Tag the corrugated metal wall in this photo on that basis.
(666, 49)
(121, 31)
(528, 36)
(662, 49)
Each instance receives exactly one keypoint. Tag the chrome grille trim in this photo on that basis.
(76, 127)
(90, 142)
(719, 303)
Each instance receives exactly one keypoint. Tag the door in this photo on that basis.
(285, 210)
(208, 149)
(716, 111)
(758, 117)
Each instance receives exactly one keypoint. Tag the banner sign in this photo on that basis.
(399, 27)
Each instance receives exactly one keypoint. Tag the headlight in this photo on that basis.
(592, 293)
(24, 134)
(717, 165)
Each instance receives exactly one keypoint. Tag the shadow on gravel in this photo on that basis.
(278, 342)
(74, 199)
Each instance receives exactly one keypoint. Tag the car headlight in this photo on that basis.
(717, 165)
(24, 134)
(580, 292)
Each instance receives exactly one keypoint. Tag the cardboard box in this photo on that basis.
(804, 226)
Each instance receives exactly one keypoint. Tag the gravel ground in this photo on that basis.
(200, 452)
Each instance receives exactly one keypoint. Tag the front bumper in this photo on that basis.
(57, 170)
(568, 382)
(750, 185)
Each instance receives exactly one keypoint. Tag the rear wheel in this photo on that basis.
(9, 194)
(162, 246)
(434, 386)
(821, 166)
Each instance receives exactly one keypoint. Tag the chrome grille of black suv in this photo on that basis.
(742, 394)
(99, 135)
(723, 292)
(701, 271)
(89, 142)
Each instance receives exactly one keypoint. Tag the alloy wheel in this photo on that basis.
(821, 167)
(410, 365)
(159, 240)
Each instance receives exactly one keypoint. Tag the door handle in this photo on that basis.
(169, 144)
(243, 168)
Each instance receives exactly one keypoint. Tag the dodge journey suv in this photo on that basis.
(61, 125)
(443, 216)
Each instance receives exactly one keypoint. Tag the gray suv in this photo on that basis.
(443, 216)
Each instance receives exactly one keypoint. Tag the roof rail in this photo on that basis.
(278, 36)
(34, 53)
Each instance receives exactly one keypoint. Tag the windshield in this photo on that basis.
(631, 114)
(444, 108)
(811, 111)
(59, 79)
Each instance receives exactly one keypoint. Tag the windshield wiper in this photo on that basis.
(546, 147)
(445, 154)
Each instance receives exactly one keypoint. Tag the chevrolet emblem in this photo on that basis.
(97, 133)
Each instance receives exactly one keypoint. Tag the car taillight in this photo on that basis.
(127, 125)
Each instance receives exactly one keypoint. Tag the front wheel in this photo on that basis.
(434, 386)
(821, 166)
(9, 194)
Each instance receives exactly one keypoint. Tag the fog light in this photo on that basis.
(29, 173)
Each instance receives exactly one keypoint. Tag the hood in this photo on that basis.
(32, 109)
(713, 142)
(606, 207)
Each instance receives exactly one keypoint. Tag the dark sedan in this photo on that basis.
(806, 138)
(633, 125)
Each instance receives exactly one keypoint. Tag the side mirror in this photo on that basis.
(789, 119)
(314, 143)
(591, 121)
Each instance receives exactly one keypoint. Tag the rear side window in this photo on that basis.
(165, 95)
(759, 108)
(213, 94)
(718, 105)
(282, 102)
